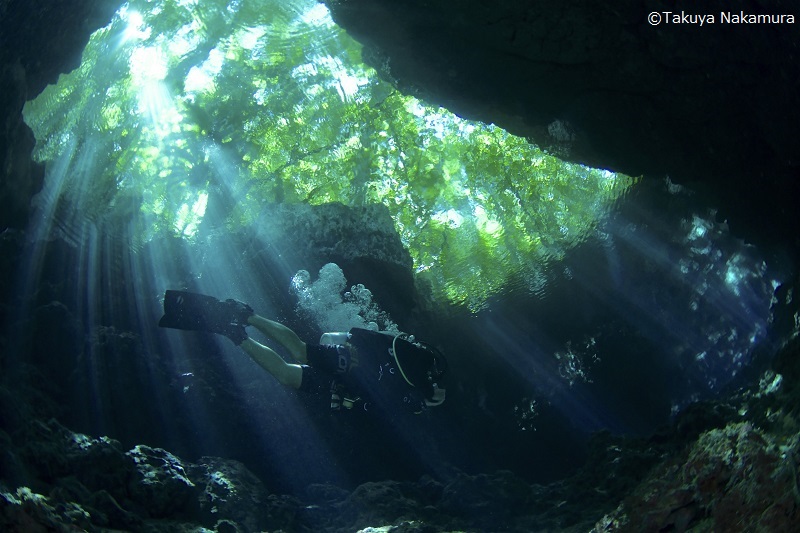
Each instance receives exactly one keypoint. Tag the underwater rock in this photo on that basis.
(71, 480)
(99, 464)
(377, 502)
(25, 511)
(66, 478)
(733, 479)
(362, 240)
(46, 447)
(162, 486)
(482, 502)
(722, 465)
(335, 232)
(491, 499)
(38, 43)
(227, 489)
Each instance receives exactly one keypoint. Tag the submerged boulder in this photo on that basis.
(335, 232)
(227, 489)
(68, 481)
(737, 478)
(25, 510)
(362, 240)
(161, 485)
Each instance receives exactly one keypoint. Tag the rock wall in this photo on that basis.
(37, 43)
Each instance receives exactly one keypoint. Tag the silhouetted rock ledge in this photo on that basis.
(597, 83)
(92, 484)
(732, 479)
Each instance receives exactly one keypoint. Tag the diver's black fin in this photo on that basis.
(200, 312)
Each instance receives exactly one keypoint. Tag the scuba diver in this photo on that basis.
(361, 369)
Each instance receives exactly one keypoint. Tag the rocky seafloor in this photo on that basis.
(727, 465)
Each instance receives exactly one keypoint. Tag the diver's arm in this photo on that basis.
(280, 334)
(286, 373)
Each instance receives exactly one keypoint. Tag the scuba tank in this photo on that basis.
(420, 366)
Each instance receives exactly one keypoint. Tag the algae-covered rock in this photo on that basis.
(161, 485)
(732, 479)
(228, 489)
(24, 510)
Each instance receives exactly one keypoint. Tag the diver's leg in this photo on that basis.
(285, 373)
(280, 334)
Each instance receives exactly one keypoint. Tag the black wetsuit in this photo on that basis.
(368, 377)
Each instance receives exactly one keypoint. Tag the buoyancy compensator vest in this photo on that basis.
(395, 366)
